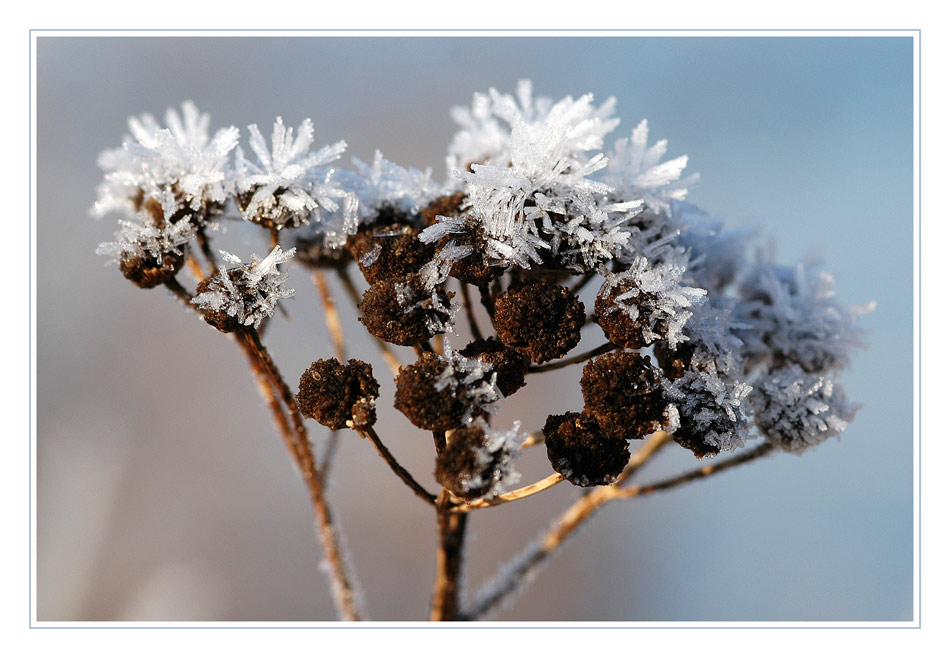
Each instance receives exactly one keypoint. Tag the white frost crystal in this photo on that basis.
(796, 410)
(182, 158)
(638, 171)
(653, 297)
(248, 292)
(497, 453)
(800, 319)
(470, 380)
(386, 183)
(144, 238)
(288, 182)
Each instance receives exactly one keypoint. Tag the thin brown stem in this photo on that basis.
(584, 280)
(180, 292)
(470, 313)
(295, 437)
(517, 494)
(404, 475)
(205, 245)
(330, 315)
(578, 358)
(333, 442)
(488, 301)
(530, 562)
(448, 561)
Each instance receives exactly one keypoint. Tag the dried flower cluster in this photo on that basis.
(700, 345)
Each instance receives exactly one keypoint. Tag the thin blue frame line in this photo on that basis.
(919, 371)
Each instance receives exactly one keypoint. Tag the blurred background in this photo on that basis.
(163, 491)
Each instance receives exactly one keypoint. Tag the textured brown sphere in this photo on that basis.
(463, 468)
(421, 402)
(581, 452)
(619, 327)
(386, 318)
(148, 272)
(625, 394)
(388, 251)
(509, 365)
(220, 320)
(540, 320)
(333, 394)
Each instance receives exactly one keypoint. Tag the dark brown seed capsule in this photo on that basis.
(509, 364)
(581, 452)
(420, 399)
(540, 320)
(334, 394)
(625, 394)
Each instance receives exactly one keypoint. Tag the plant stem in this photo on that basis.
(517, 494)
(526, 566)
(470, 313)
(578, 358)
(448, 561)
(295, 437)
(404, 475)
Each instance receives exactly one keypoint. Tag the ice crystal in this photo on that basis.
(471, 381)
(652, 297)
(438, 310)
(485, 139)
(637, 171)
(800, 320)
(248, 292)
(386, 183)
(288, 182)
(495, 471)
(796, 410)
(182, 158)
(147, 238)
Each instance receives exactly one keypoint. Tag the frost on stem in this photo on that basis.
(244, 295)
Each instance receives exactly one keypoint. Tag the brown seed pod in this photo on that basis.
(466, 467)
(540, 320)
(401, 311)
(388, 251)
(334, 394)
(581, 452)
(624, 392)
(510, 364)
(420, 399)
(148, 272)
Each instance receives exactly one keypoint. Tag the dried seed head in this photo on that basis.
(509, 364)
(401, 311)
(445, 206)
(421, 399)
(581, 452)
(477, 461)
(148, 271)
(388, 251)
(334, 394)
(625, 394)
(540, 320)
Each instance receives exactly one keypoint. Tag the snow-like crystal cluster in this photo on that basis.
(248, 292)
(796, 410)
(495, 470)
(472, 381)
(148, 238)
(652, 297)
(288, 182)
(182, 158)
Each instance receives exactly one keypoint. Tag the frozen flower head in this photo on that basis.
(181, 159)
(244, 295)
(796, 410)
(799, 318)
(646, 303)
(386, 184)
(525, 167)
(288, 182)
(638, 171)
(478, 461)
(442, 393)
(150, 251)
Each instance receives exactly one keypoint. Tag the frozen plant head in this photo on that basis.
(288, 182)
(244, 295)
(182, 159)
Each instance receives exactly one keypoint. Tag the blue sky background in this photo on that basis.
(163, 492)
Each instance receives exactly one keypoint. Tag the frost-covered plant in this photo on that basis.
(702, 348)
